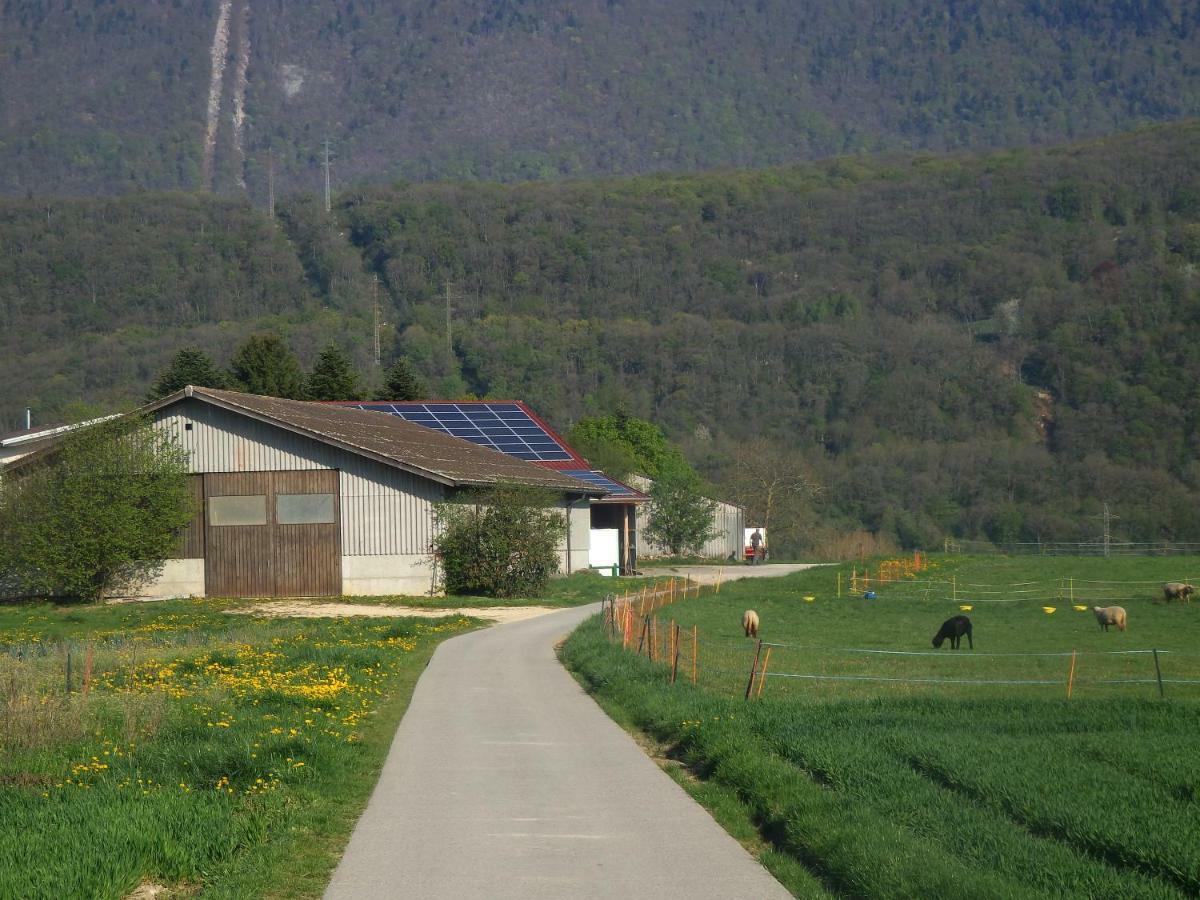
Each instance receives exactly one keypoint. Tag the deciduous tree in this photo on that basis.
(96, 515)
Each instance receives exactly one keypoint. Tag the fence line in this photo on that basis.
(635, 621)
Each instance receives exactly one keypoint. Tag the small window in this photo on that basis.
(247, 509)
(304, 509)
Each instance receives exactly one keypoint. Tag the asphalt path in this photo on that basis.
(506, 780)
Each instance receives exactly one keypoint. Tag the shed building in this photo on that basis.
(512, 428)
(309, 499)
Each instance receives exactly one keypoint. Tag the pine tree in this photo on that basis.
(265, 365)
(333, 377)
(402, 382)
(190, 366)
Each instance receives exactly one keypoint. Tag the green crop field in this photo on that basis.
(191, 749)
(893, 770)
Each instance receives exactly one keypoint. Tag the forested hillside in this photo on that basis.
(109, 97)
(983, 346)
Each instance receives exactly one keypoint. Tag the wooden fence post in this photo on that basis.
(695, 651)
(675, 657)
(762, 676)
(1158, 674)
(645, 629)
(753, 669)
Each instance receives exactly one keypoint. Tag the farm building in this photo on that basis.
(728, 525)
(21, 443)
(511, 427)
(312, 499)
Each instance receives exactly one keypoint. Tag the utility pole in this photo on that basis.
(328, 206)
(375, 306)
(1107, 531)
(271, 184)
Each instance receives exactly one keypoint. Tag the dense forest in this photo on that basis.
(983, 346)
(103, 97)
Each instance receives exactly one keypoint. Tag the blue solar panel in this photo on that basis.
(614, 488)
(500, 426)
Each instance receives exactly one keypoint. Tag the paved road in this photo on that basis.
(733, 572)
(506, 780)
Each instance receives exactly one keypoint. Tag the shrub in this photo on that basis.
(499, 542)
(96, 515)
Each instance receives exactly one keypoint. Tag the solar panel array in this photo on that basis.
(498, 426)
(615, 488)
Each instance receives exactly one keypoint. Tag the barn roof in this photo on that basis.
(388, 439)
(508, 426)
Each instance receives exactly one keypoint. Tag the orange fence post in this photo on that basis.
(762, 676)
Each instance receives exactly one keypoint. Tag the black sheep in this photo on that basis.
(954, 628)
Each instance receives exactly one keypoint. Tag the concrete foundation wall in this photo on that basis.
(179, 578)
(408, 574)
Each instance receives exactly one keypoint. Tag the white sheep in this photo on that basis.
(750, 623)
(1110, 615)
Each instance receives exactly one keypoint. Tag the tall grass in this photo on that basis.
(207, 750)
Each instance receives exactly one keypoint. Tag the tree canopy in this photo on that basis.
(191, 365)
(333, 377)
(402, 383)
(264, 365)
(96, 515)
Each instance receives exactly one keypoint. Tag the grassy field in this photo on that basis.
(210, 753)
(883, 774)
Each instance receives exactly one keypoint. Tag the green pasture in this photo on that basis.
(918, 784)
(840, 644)
(178, 745)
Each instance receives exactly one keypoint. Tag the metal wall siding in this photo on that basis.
(385, 511)
(222, 441)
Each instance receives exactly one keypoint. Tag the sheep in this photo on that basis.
(750, 623)
(1110, 615)
(954, 628)
(1177, 590)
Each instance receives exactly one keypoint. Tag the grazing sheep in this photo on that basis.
(1110, 615)
(750, 623)
(1177, 590)
(954, 628)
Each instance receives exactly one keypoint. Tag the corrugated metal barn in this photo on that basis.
(309, 499)
(511, 427)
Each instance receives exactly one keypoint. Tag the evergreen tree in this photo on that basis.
(265, 365)
(333, 377)
(191, 365)
(402, 382)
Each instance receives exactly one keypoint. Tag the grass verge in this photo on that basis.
(206, 752)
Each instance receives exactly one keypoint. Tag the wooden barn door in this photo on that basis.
(238, 557)
(308, 553)
(272, 534)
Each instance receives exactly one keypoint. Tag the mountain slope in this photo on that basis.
(103, 98)
(976, 346)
